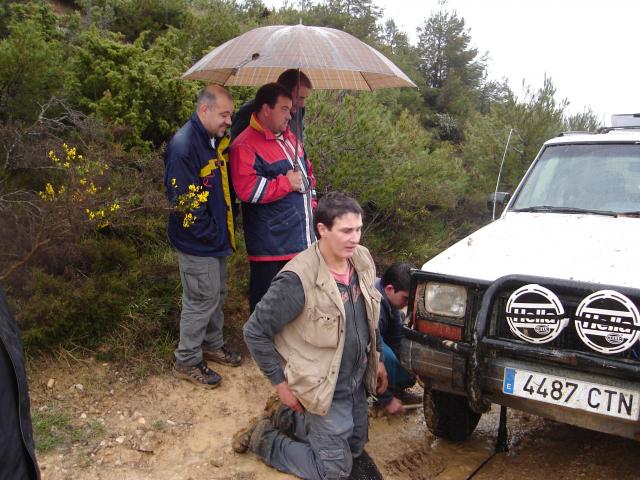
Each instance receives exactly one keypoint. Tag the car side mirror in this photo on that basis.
(500, 199)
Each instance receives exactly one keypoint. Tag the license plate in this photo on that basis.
(591, 397)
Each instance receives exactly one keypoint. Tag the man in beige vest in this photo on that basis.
(314, 335)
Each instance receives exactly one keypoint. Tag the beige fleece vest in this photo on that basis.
(312, 344)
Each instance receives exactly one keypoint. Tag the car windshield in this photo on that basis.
(588, 178)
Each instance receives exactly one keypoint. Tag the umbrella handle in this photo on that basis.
(305, 181)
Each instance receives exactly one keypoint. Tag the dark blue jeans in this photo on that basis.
(398, 377)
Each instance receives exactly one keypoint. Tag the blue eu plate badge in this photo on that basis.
(509, 380)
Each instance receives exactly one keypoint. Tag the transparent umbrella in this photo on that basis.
(331, 58)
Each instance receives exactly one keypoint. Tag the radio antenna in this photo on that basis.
(495, 193)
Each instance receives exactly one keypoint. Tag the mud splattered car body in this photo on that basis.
(539, 309)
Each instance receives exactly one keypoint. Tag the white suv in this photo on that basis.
(539, 309)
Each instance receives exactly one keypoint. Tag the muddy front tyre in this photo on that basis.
(449, 416)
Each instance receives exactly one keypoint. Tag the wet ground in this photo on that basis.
(538, 449)
(163, 428)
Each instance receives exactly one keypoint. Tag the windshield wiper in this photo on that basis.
(552, 209)
(634, 214)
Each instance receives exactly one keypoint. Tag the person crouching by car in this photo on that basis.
(394, 288)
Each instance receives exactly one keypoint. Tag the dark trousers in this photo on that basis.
(316, 447)
(260, 276)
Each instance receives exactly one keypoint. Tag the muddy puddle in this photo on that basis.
(538, 449)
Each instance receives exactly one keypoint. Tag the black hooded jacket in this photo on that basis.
(17, 450)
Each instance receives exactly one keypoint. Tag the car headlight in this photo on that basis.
(445, 299)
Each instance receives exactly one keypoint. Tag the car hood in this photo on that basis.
(588, 248)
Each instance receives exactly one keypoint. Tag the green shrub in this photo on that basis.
(131, 87)
(390, 165)
(31, 57)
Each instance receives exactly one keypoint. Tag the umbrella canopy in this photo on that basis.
(331, 58)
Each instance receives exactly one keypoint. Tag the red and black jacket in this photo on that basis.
(278, 222)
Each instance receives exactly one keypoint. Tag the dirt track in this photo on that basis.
(164, 428)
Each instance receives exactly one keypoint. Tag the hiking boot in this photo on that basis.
(199, 374)
(281, 416)
(242, 438)
(272, 404)
(262, 437)
(223, 356)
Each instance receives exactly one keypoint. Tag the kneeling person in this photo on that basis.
(394, 288)
(319, 317)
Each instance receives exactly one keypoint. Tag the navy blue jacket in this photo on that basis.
(390, 324)
(192, 158)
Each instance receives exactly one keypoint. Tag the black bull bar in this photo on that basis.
(481, 346)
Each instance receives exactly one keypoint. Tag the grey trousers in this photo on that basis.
(204, 286)
(320, 447)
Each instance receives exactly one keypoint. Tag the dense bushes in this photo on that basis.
(133, 88)
(394, 168)
(30, 54)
